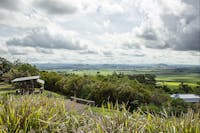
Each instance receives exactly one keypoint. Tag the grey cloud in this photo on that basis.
(7, 30)
(55, 7)
(195, 53)
(138, 55)
(184, 28)
(13, 51)
(21, 51)
(171, 22)
(107, 53)
(44, 51)
(134, 54)
(194, 3)
(184, 40)
(2, 51)
(157, 45)
(148, 34)
(88, 52)
(130, 46)
(43, 39)
(10, 4)
(189, 41)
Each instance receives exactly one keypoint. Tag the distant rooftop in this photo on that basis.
(187, 97)
(26, 78)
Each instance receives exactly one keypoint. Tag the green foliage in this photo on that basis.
(185, 88)
(5, 66)
(148, 79)
(112, 88)
(178, 106)
(51, 78)
(197, 90)
(103, 89)
(20, 70)
(166, 89)
(151, 108)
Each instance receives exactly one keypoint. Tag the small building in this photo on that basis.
(26, 85)
(190, 98)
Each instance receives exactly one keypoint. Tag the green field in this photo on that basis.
(175, 85)
(104, 72)
(185, 77)
(163, 77)
(174, 80)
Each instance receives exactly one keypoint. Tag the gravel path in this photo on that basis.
(74, 106)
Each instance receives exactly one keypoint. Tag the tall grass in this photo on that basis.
(43, 114)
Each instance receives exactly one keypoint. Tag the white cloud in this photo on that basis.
(114, 31)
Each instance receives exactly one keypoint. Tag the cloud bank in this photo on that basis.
(93, 31)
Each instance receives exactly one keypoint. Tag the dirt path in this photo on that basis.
(74, 106)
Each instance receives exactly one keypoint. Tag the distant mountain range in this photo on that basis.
(57, 66)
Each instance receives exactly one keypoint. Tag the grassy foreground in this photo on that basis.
(42, 114)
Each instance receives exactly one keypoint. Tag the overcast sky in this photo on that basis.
(101, 31)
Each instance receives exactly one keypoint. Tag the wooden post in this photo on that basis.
(32, 87)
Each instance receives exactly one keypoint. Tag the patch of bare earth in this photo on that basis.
(75, 107)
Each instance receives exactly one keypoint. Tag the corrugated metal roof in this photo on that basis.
(25, 78)
(40, 81)
(185, 96)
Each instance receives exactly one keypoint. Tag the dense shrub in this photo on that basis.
(178, 106)
(103, 89)
(185, 88)
(197, 90)
(148, 79)
(51, 78)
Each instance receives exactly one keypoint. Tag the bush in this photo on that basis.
(21, 70)
(152, 108)
(178, 106)
(51, 78)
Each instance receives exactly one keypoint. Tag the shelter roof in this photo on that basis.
(26, 78)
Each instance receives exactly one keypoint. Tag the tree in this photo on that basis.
(148, 79)
(166, 88)
(184, 87)
(51, 78)
(22, 70)
(178, 106)
(197, 90)
(5, 66)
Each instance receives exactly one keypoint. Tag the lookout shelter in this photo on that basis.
(26, 85)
